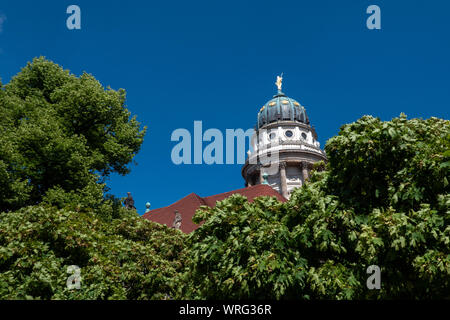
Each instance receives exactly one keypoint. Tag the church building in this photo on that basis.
(284, 149)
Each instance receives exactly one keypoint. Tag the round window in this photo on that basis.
(304, 135)
(289, 133)
(272, 135)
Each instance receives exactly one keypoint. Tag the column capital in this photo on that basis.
(305, 171)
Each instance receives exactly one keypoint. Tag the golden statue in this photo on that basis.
(279, 82)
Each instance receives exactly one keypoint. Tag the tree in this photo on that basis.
(61, 134)
(383, 199)
(128, 258)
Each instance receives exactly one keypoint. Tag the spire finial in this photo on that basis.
(279, 82)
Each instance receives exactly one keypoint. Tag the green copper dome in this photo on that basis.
(281, 108)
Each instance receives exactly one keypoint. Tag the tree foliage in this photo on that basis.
(61, 133)
(60, 136)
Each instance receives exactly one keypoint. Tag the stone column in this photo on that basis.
(261, 179)
(284, 191)
(305, 172)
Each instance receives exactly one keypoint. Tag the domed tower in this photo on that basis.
(284, 146)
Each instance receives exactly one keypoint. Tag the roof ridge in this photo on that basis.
(205, 201)
(200, 200)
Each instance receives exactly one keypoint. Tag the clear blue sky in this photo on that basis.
(217, 61)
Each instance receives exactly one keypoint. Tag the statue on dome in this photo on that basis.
(265, 176)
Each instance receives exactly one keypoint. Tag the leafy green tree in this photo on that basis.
(61, 135)
(382, 200)
(128, 258)
(393, 163)
(385, 201)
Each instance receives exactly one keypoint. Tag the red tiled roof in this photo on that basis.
(189, 204)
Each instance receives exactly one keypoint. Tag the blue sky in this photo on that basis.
(217, 61)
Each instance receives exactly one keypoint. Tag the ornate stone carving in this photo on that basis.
(284, 191)
(279, 82)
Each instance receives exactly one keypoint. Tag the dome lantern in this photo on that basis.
(281, 108)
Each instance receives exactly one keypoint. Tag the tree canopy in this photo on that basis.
(61, 133)
(127, 258)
